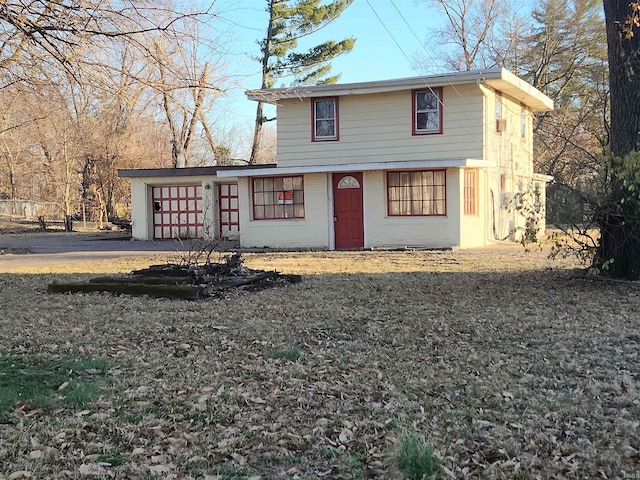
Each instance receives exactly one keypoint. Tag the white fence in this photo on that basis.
(30, 209)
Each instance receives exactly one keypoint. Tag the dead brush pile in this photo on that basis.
(189, 281)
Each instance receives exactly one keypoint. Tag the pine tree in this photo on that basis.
(289, 21)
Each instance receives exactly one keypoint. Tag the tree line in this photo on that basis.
(90, 86)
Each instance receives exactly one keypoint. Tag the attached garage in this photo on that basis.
(170, 203)
(177, 212)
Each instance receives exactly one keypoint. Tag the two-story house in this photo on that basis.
(435, 161)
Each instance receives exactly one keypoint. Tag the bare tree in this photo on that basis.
(470, 32)
(91, 89)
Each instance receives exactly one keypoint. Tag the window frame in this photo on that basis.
(279, 197)
(411, 186)
(470, 195)
(499, 113)
(314, 131)
(438, 91)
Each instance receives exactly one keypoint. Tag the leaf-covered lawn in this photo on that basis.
(509, 366)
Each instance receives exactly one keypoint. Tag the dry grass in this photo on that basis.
(509, 366)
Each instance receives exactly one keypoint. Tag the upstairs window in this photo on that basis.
(427, 111)
(523, 122)
(325, 119)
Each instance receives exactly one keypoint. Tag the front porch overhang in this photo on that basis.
(360, 167)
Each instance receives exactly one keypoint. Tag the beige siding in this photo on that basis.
(378, 127)
(309, 232)
(382, 230)
(513, 156)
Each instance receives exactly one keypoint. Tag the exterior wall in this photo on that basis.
(141, 211)
(141, 222)
(378, 127)
(382, 230)
(312, 231)
(513, 156)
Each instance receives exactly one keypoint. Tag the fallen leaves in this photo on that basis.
(506, 369)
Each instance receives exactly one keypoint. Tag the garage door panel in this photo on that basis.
(177, 211)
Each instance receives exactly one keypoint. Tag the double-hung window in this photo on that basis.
(416, 193)
(427, 111)
(325, 119)
(278, 197)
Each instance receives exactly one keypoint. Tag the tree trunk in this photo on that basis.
(266, 55)
(257, 135)
(624, 77)
(620, 236)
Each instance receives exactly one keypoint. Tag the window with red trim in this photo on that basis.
(470, 192)
(278, 197)
(325, 119)
(416, 193)
(427, 111)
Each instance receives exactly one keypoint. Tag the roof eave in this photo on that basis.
(272, 95)
(497, 78)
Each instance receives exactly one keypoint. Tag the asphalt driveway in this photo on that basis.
(51, 248)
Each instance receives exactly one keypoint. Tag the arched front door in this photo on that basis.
(348, 218)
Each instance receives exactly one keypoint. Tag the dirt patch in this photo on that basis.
(509, 365)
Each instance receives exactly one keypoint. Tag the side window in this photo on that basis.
(470, 192)
(427, 111)
(325, 119)
(501, 123)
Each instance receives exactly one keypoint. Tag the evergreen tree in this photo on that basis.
(289, 21)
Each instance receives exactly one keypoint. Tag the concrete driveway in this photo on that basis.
(21, 250)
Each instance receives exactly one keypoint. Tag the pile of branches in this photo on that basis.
(186, 281)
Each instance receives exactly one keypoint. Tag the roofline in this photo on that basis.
(496, 77)
(185, 172)
(355, 167)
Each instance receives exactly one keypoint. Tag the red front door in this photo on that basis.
(347, 210)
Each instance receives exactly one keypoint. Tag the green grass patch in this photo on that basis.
(290, 353)
(112, 460)
(416, 458)
(34, 383)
